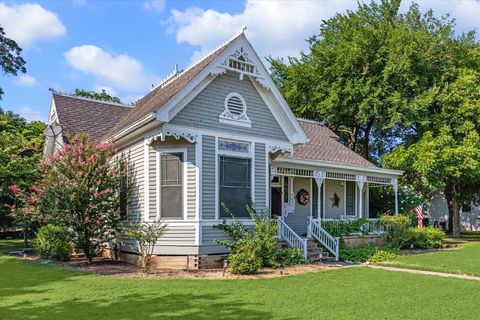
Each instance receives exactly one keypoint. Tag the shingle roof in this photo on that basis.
(324, 145)
(162, 94)
(78, 114)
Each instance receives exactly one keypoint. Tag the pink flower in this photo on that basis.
(13, 188)
(87, 219)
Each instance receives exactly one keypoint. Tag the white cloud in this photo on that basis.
(157, 6)
(279, 28)
(32, 115)
(25, 80)
(29, 22)
(115, 70)
(108, 90)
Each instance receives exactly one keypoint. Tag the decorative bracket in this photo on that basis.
(279, 147)
(176, 133)
(319, 177)
(395, 184)
(361, 180)
(290, 206)
(273, 172)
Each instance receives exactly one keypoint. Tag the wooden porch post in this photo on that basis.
(395, 190)
(361, 179)
(319, 177)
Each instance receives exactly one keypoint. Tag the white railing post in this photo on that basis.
(337, 249)
(395, 190)
(309, 227)
(305, 249)
(279, 228)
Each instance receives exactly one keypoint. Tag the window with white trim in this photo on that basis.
(235, 110)
(235, 177)
(171, 185)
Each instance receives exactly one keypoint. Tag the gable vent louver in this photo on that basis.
(235, 111)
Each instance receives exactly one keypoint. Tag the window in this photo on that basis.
(286, 192)
(350, 189)
(235, 111)
(466, 207)
(235, 185)
(171, 185)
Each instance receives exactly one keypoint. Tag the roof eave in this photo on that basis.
(335, 165)
(148, 118)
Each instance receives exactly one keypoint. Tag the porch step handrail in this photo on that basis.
(330, 242)
(291, 237)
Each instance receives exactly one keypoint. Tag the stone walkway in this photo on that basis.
(427, 273)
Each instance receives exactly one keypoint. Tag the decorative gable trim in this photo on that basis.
(177, 133)
(235, 111)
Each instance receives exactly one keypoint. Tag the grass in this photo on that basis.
(470, 235)
(10, 245)
(465, 260)
(33, 291)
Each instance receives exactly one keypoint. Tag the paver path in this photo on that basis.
(428, 273)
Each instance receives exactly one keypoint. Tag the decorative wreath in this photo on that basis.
(303, 197)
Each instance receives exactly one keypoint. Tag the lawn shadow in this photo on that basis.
(134, 306)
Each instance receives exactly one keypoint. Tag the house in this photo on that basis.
(438, 213)
(221, 132)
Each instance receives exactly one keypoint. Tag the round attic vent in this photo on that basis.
(235, 105)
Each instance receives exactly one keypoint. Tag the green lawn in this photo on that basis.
(466, 260)
(10, 245)
(32, 291)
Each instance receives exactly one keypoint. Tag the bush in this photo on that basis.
(53, 242)
(360, 254)
(289, 256)
(382, 255)
(245, 260)
(395, 227)
(423, 238)
(342, 228)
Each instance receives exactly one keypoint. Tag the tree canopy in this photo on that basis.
(11, 62)
(101, 96)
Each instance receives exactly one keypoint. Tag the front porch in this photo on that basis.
(309, 201)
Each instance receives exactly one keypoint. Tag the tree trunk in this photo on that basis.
(456, 218)
(353, 138)
(25, 237)
(366, 140)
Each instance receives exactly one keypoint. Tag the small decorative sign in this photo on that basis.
(303, 197)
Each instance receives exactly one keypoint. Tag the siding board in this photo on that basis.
(208, 177)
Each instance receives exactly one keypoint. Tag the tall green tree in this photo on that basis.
(101, 96)
(367, 72)
(11, 62)
(21, 146)
(445, 155)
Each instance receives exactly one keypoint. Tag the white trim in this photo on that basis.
(345, 198)
(133, 126)
(311, 198)
(324, 208)
(217, 196)
(184, 178)
(268, 180)
(146, 182)
(228, 117)
(198, 181)
(157, 191)
(234, 122)
(327, 164)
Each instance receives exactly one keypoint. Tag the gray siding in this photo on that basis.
(152, 183)
(332, 187)
(204, 109)
(208, 177)
(298, 219)
(136, 174)
(260, 176)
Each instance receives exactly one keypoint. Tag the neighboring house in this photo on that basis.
(220, 132)
(469, 213)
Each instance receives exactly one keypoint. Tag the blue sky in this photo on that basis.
(125, 46)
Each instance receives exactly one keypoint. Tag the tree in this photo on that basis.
(86, 189)
(101, 96)
(367, 73)
(11, 62)
(446, 156)
(21, 145)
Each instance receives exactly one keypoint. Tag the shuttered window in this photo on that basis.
(171, 185)
(350, 198)
(235, 185)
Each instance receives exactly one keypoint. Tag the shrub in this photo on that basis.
(342, 228)
(423, 238)
(245, 259)
(382, 255)
(289, 256)
(395, 227)
(53, 242)
(147, 235)
(360, 254)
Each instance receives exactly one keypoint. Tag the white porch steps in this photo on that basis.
(315, 252)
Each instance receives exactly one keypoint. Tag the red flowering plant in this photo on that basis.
(24, 209)
(86, 189)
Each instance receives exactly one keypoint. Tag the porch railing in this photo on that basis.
(291, 237)
(372, 226)
(330, 242)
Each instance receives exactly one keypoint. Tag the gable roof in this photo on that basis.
(78, 114)
(324, 145)
(159, 96)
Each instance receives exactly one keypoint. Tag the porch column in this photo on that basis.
(319, 177)
(273, 172)
(395, 190)
(361, 179)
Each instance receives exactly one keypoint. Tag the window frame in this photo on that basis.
(233, 154)
(183, 151)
